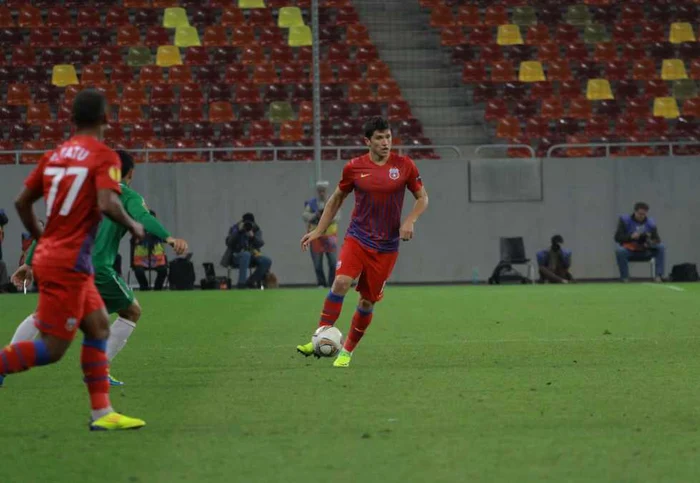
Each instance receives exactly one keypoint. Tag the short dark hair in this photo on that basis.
(375, 123)
(89, 109)
(249, 217)
(557, 240)
(127, 162)
(640, 205)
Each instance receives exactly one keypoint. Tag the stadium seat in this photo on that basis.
(508, 128)
(541, 90)
(661, 50)
(622, 32)
(673, 69)
(531, 71)
(495, 15)
(442, 16)
(652, 32)
(299, 36)
(291, 131)
(261, 130)
(551, 108)
(232, 17)
(6, 20)
(684, 89)
(348, 73)
(156, 36)
(537, 34)
(399, 110)
(357, 35)
(509, 34)
(180, 74)
(452, 36)
(681, 32)
(142, 132)
(38, 114)
(130, 114)
(221, 112)
(580, 108)
(269, 36)
(559, 71)
(146, 17)
(305, 112)
(575, 51)
(495, 110)
(215, 36)
(548, 52)
(128, 35)
(175, 17)
(524, 16)
(265, 74)
(198, 56)
(203, 131)
(29, 17)
(191, 113)
(167, 56)
(339, 111)
(578, 15)
(377, 72)
(32, 158)
(52, 132)
(502, 71)
(191, 94)
(644, 69)
(289, 17)
(605, 52)
(595, 33)
(243, 35)
(326, 74)
(187, 37)
(160, 113)
(388, 92)
(139, 56)
(70, 37)
(41, 37)
(691, 107)
(281, 111)
(93, 74)
(18, 95)
(360, 92)
(70, 92)
(252, 55)
(468, 16)
(133, 94)
(598, 90)
(689, 51)
(655, 88)
(481, 35)
(236, 73)
(247, 94)
(366, 54)
(565, 33)
(219, 92)
(64, 75)
(666, 107)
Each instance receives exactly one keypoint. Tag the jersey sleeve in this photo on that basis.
(35, 180)
(347, 182)
(109, 171)
(136, 208)
(414, 183)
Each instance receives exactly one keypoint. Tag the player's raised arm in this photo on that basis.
(331, 209)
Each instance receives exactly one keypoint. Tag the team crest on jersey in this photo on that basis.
(70, 324)
(394, 173)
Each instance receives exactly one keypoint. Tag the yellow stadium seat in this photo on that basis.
(681, 32)
(251, 4)
(168, 55)
(175, 17)
(281, 111)
(290, 17)
(187, 37)
(509, 34)
(599, 90)
(300, 36)
(666, 107)
(531, 71)
(64, 75)
(673, 69)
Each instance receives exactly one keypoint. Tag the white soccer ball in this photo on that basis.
(327, 341)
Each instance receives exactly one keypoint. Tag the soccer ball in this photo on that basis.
(327, 341)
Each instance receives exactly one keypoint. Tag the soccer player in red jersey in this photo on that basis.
(380, 179)
(79, 180)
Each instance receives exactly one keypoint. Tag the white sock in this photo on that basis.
(119, 333)
(99, 413)
(26, 330)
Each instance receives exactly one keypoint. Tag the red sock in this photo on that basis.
(331, 309)
(360, 322)
(24, 355)
(93, 359)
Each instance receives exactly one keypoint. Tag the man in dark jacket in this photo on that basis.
(243, 245)
(555, 262)
(639, 239)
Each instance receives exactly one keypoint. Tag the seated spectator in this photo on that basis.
(243, 245)
(324, 245)
(555, 262)
(639, 239)
(149, 254)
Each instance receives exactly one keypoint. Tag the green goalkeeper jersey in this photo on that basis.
(110, 233)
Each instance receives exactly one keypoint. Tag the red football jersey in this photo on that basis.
(379, 194)
(69, 177)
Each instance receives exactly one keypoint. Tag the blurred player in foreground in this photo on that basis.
(79, 180)
(380, 179)
(115, 292)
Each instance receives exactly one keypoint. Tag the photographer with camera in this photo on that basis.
(327, 243)
(639, 240)
(243, 245)
(555, 262)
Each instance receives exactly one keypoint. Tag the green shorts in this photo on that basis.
(114, 291)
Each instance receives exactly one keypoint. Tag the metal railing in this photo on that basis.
(210, 153)
(556, 147)
(491, 147)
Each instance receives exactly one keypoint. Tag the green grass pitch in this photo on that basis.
(582, 383)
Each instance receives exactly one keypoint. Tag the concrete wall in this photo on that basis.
(580, 199)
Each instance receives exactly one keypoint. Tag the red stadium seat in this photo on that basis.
(133, 94)
(18, 95)
(215, 36)
(357, 35)
(247, 94)
(549, 52)
(537, 34)
(270, 36)
(191, 113)
(38, 114)
(348, 73)
(160, 113)
(388, 92)
(221, 112)
(243, 35)
(157, 36)
(236, 74)
(208, 74)
(6, 20)
(180, 74)
(196, 56)
(292, 131)
(163, 94)
(232, 17)
(116, 17)
(53, 132)
(261, 131)
(130, 114)
(128, 35)
(481, 35)
(503, 71)
(442, 16)
(551, 108)
(291, 74)
(191, 94)
(378, 72)
(508, 128)
(29, 17)
(559, 71)
(495, 110)
(541, 90)
(644, 69)
(398, 111)
(251, 112)
(202, 131)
